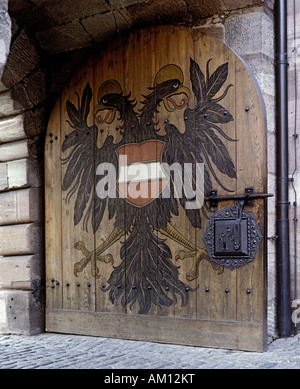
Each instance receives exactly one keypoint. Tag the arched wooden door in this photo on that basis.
(136, 144)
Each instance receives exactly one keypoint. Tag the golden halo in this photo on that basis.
(169, 72)
(108, 87)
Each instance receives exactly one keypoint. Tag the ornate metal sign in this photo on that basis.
(232, 237)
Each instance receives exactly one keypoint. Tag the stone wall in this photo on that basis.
(30, 89)
(5, 33)
(22, 94)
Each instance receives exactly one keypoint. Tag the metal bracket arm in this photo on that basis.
(248, 197)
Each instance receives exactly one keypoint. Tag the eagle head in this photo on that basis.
(169, 82)
(108, 97)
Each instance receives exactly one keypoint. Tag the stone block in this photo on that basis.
(24, 173)
(8, 106)
(264, 71)
(14, 151)
(5, 34)
(21, 239)
(34, 121)
(160, 12)
(215, 30)
(120, 4)
(33, 17)
(250, 33)
(272, 184)
(8, 208)
(202, 9)
(20, 313)
(21, 206)
(69, 10)
(21, 60)
(101, 26)
(12, 129)
(272, 318)
(71, 36)
(21, 272)
(3, 176)
(35, 173)
(270, 111)
(272, 275)
(31, 91)
(296, 177)
(271, 228)
(3, 87)
(293, 78)
(3, 315)
(271, 139)
(123, 20)
(17, 173)
(234, 4)
(18, 5)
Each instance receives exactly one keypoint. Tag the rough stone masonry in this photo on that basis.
(5, 33)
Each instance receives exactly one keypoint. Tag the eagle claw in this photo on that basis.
(197, 256)
(90, 256)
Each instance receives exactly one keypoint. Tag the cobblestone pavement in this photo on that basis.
(58, 351)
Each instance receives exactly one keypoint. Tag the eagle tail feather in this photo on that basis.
(146, 274)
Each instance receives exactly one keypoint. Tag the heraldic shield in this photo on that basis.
(141, 177)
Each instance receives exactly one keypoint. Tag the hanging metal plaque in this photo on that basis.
(232, 237)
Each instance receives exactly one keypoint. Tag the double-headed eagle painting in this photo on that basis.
(147, 272)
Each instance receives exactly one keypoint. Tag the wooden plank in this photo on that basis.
(214, 302)
(108, 65)
(78, 292)
(53, 210)
(175, 47)
(205, 333)
(251, 305)
(138, 76)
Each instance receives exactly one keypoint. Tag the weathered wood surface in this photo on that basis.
(226, 334)
(53, 219)
(77, 301)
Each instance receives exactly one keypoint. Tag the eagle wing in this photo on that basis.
(201, 142)
(83, 158)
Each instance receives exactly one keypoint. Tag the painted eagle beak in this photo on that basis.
(171, 105)
(109, 116)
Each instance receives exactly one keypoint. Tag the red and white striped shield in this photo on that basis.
(141, 177)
